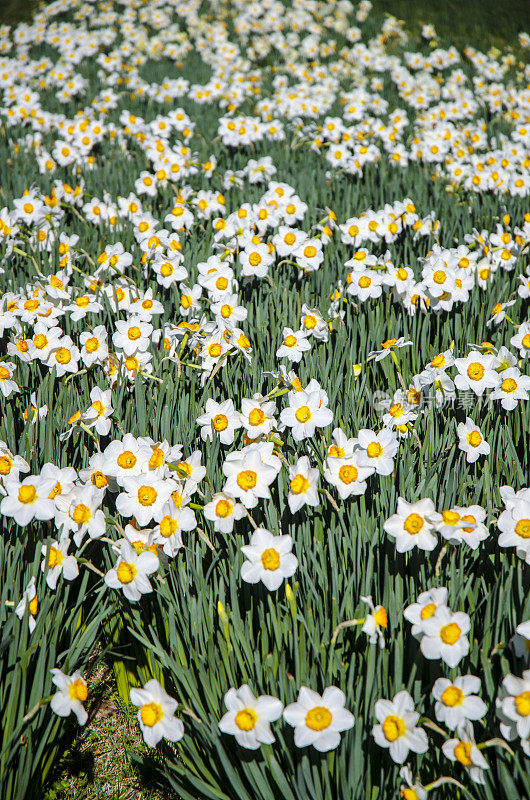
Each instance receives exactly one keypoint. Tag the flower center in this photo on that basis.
(393, 728)
(310, 251)
(57, 489)
(256, 416)
(186, 300)
(91, 345)
(468, 518)
(27, 494)
(310, 321)
(184, 468)
(98, 479)
(290, 341)
(474, 438)
(55, 557)
(40, 341)
(297, 385)
(247, 479)
(74, 418)
(374, 450)
(223, 508)
(428, 611)
(220, 422)
(151, 713)
(126, 460)
(270, 559)
(78, 690)
(475, 371)
(254, 259)
(99, 407)
(381, 617)
(63, 355)
(126, 572)
(246, 719)
(134, 333)
(453, 696)
(318, 718)
(303, 414)
(463, 753)
(348, 473)
(438, 361)
(147, 495)
(157, 459)
(299, 484)
(522, 704)
(413, 524)
(5, 465)
(526, 341)
(450, 634)
(509, 385)
(168, 526)
(81, 514)
(522, 528)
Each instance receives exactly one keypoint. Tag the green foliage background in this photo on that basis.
(277, 642)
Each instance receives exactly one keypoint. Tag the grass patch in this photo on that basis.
(107, 759)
